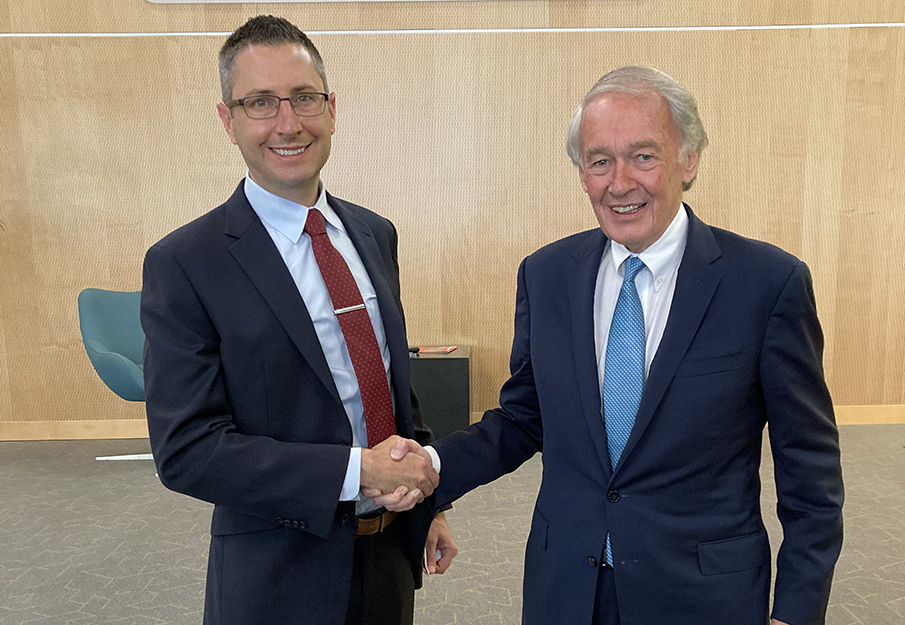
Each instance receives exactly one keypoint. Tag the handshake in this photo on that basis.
(397, 474)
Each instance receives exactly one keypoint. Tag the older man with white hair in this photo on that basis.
(649, 355)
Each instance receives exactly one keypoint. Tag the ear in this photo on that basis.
(331, 107)
(582, 177)
(691, 166)
(226, 116)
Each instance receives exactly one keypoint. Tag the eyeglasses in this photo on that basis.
(265, 106)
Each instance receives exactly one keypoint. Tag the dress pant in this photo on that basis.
(383, 588)
(606, 610)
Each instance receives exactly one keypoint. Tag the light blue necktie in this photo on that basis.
(623, 378)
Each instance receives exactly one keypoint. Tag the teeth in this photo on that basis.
(624, 210)
(282, 152)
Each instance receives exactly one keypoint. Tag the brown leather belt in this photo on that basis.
(367, 527)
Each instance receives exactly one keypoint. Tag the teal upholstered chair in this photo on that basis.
(114, 340)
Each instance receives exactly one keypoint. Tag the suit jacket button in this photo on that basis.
(592, 561)
(345, 519)
(302, 525)
(613, 496)
(281, 520)
(295, 524)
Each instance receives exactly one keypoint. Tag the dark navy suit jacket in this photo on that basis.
(243, 411)
(742, 349)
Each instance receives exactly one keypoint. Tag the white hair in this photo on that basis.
(641, 81)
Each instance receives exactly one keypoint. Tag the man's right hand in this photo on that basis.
(408, 473)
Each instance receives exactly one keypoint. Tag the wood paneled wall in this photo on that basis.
(83, 16)
(108, 143)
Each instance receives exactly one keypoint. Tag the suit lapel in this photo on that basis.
(695, 285)
(393, 325)
(259, 258)
(582, 282)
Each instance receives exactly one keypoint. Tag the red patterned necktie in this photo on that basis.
(350, 311)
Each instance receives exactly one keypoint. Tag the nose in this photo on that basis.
(287, 121)
(622, 182)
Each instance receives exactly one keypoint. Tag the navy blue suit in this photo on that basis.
(742, 349)
(243, 411)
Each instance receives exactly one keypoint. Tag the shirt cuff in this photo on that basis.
(352, 483)
(435, 457)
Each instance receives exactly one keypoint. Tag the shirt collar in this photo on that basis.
(287, 217)
(662, 258)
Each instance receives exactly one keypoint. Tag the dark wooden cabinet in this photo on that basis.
(441, 382)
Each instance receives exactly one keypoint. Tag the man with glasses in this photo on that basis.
(276, 367)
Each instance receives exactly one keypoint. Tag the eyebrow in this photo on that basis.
(632, 147)
(596, 151)
(640, 145)
(306, 88)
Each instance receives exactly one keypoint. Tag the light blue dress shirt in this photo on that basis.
(285, 223)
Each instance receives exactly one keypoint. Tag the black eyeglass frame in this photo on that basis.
(231, 104)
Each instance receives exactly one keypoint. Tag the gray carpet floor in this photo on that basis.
(92, 542)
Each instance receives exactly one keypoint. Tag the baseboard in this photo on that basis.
(870, 415)
(73, 430)
(138, 428)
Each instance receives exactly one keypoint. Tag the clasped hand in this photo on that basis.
(397, 474)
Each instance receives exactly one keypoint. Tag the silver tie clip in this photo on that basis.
(340, 311)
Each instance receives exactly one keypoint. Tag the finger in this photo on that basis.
(390, 498)
(387, 443)
(430, 545)
(430, 482)
(400, 449)
(427, 488)
(430, 551)
(416, 448)
(414, 498)
(405, 503)
(447, 553)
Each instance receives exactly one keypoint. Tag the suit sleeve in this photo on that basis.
(423, 433)
(505, 437)
(805, 446)
(197, 447)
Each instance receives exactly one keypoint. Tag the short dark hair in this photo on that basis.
(264, 30)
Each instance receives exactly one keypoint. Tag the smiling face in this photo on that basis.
(631, 168)
(284, 154)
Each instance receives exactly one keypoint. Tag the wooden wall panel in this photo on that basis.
(870, 341)
(499, 184)
(102, 164)
(107, 144)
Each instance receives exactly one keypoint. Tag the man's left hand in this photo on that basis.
(439, 538)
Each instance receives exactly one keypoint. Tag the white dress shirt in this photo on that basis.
(656, 284)
(285, 223)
